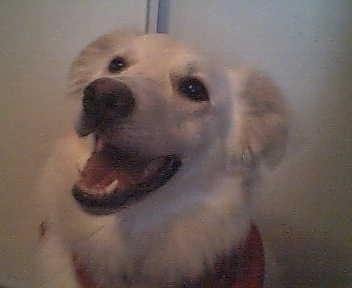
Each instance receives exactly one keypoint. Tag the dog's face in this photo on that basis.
(154, 107)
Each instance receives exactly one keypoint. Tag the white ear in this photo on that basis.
(260, 118)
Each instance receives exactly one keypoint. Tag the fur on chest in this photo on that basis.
(169, 248)
(242, 267)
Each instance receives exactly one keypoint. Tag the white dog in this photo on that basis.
(174, 142)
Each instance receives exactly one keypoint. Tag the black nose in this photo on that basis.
(106, 99)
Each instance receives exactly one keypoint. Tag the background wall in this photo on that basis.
(38, 40)
(306, 46)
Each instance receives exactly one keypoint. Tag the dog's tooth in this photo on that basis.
(111, 187)
(81, 162)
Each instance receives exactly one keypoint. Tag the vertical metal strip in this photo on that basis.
(152, 14)
(157, 16)
(163, 16)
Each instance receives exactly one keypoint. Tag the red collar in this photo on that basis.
(248, 268)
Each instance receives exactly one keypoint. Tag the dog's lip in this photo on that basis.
(112, 179)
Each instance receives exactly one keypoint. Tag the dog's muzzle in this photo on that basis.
(114, 177)
(104, 100)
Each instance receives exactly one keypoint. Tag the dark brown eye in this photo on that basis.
(193, 89)
(117, 64)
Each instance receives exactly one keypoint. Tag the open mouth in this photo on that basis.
(113, 179)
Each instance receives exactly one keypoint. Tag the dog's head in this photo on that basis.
(156, 107)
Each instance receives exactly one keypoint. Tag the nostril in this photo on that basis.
(124, 104)
(118, 103)
(109, 100)
(90, 102)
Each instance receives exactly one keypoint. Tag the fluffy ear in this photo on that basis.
(86, 65)
(260, 119)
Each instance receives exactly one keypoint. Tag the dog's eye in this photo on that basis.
(193, 89)
(117, 64)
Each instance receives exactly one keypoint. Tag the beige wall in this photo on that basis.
(305, 209)
(37, 42)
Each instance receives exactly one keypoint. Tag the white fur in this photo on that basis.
(203, 211)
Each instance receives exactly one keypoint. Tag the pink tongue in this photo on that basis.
(101, 171)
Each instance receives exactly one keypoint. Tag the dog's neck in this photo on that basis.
(242, 268)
